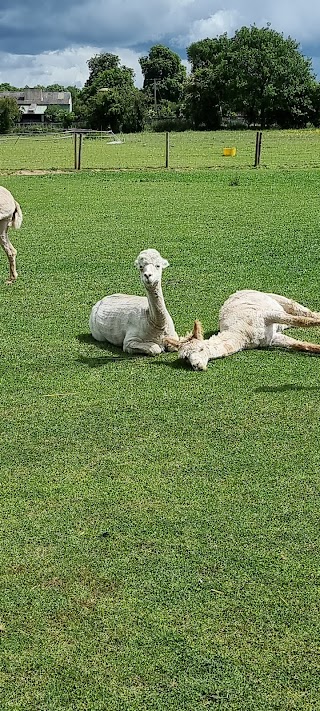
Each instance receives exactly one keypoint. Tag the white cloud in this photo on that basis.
(222, 21)
(187, 65)
(57, 38)
(68, 67)
(316, 66)
(298, 18)
(130, 59)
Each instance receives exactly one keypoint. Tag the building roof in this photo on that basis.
(39, 96)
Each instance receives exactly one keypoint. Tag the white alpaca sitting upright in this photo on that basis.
(10, 216)
(248, 319)
(137, 323)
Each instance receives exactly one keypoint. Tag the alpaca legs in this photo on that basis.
(293, 308)
(294, 321)
(9, 250)
(148, 348)
(292, 344)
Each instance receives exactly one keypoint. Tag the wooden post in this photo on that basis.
(75, 152)
(258, 149)
(79, 151)
(260, 141)
(167, 149)
(155, 95)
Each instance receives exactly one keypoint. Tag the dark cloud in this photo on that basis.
(33, 27)
(66, 31)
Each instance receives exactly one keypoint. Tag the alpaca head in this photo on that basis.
(150, 265)
(192, 347)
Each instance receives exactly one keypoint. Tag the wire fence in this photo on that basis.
(187, 150)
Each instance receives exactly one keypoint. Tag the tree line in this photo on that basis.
(255, 78)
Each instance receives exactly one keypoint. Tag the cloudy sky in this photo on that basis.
(50, 41)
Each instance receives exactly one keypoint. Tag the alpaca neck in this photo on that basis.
(224, 343)
(157, 308)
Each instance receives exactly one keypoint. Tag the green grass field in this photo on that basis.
(160, 527)
(280, 149)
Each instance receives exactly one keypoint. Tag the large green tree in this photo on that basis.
(106, 72)
(118, 109)
(316, 105)
(105, 61)
(258, 73)
(9, 114)
(5, 86)
(55, 87)
(207, 53)
(109, 97)
(164, 79)
(206, 95)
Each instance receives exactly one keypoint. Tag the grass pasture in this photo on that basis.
(280, 149)
(160, 527)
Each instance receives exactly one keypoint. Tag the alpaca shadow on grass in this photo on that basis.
(179, 364)
(184, 365)
(115, 353)
(92, 362)
(176, 364)
(286, 387)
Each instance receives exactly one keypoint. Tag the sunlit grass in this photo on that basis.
(160, 528)
(191, 149)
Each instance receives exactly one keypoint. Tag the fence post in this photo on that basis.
(75, 151)
(167, 149)
(260, 141)
(258, 149)
(79, 152)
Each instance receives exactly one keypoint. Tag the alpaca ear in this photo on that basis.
(197, 331)
(174, 343)
(165, 263)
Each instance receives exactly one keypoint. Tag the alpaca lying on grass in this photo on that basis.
(10, 216)
(248, 319)
(137, 323)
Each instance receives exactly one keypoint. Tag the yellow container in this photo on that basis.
(229, 151)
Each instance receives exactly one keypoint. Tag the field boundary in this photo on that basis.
(157, 151)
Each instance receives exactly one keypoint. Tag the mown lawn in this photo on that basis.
(190, 149)
(160, 527)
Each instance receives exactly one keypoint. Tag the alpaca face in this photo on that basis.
(196, 352)
(191, 347)
(150, 265)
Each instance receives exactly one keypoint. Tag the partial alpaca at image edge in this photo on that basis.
(10, 216)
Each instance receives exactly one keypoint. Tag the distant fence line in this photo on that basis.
(81, 149)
